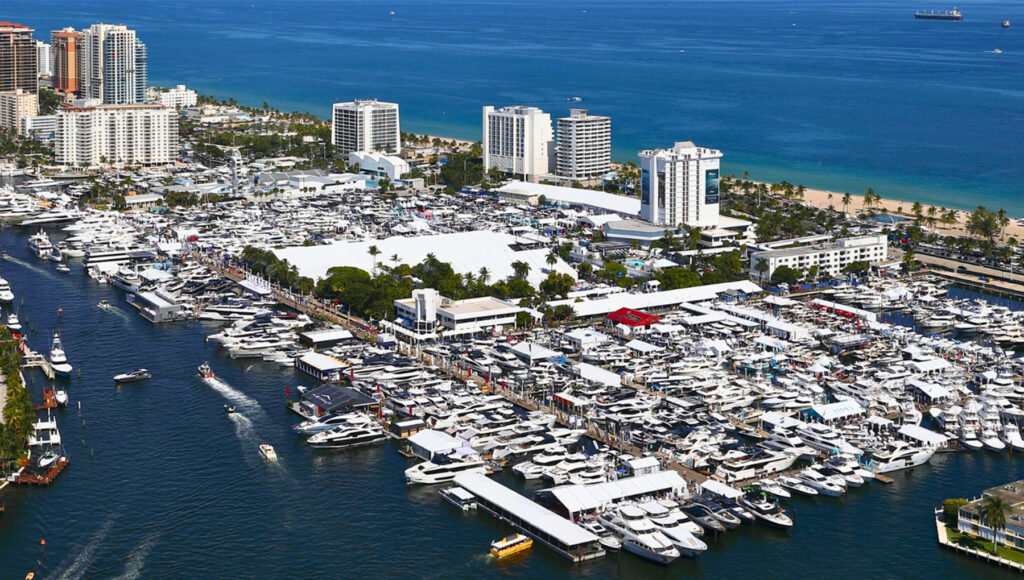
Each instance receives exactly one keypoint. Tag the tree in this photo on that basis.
(761, 267)
(993, 511)
(917, 209)
(374, 252)
(847, 198)
(785, 275)
(857, 267)
(551, 259)
(520, 269)
(484, 276)
(951, 510)
(908, 259)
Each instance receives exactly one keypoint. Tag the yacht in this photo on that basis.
(821, 483)
(669, 524)
(605, 537)
(796, 485)
(767, 512)
(328, 422)
(347, 436)
(133, 376)
(442, 469)
(40, 243)
(205, 371)
(267, 451)
(6, 296)
(12, 321)
(899, 456)
(826, 439)
(58, 359)
(61, 396)
(639, 535)
(766, 462)
(541, 462)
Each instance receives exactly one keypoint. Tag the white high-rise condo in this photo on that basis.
(679, 186)
(366, 126)
(518, 140)
(44, 58)
(114, 65)
(584, 145)
(91, 134)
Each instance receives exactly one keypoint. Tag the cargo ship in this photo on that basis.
(953, 14)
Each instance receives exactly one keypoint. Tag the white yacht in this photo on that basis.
(639, 535)
(12, 321)
(332, 421)
(347, 436)
(6, 296)
(442, 469)
(40, 242)
(899, 456)
(826, 439)
(766, 462)
(821, 483)
(58, 359)
(666, 521)
(541, 462)
(767, 512)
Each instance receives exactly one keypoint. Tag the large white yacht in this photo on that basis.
(666, 521)
(6, 296)
(347, 436)
(443, 469)
(766, 462)
(639, 535)
(826, 439)
(900, 455)
(328, 422)
(58, 359)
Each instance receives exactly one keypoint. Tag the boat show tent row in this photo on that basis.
(545, 526)
(577, 500)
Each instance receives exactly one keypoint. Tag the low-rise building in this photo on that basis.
(427, 315)
(830, 258)
(178, 98)
(971, 521)
(39, 127)
(378, 164)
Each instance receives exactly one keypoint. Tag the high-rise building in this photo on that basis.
(91, 134)
(68, 53)
(366, 126)
(18, 58)
(16, 105)
(44, 59)
(584, 145)
(518, 140)
(114, 65)
(679, 186)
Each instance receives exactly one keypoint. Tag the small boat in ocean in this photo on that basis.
(63, 268)
(12, 321)
(61, 396)
(229, 408)
(205, 371)
(133, 376)
(104, 305)
(574, 99)
(1006, 24)
(48, 458)
(267, 451)
(510, 545)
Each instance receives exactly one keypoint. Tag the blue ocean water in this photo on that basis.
(163, 484)
(831, 94)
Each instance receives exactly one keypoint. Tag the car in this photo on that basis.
(984, 278)
(961, 268)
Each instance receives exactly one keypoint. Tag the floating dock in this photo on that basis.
(45, 478)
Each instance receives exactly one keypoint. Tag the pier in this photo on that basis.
(44, 478)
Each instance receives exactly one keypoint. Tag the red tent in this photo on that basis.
(631, 317)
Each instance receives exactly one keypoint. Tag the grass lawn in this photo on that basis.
(962, 539)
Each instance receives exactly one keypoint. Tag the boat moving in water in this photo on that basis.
(267, 451)
(134, 376)
(205, 371)
(510, 545)
(953, 14)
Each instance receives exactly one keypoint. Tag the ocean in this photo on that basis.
(163, 484)
(829, 94)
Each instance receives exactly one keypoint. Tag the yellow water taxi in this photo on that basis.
(510, 545)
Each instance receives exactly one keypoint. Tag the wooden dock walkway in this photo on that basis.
(49, 400)
(46, 478)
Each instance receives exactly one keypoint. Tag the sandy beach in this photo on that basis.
(825, 199)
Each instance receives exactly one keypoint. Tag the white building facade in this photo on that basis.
(366, 125)
(679, 186)
(114, 65)
(16, 105)
(39, 127)
(391, 166)
(829, 258)
(179, 97)
(518, 140)
(427, 315)
(44, 59)
(93, 135)
(584, 145)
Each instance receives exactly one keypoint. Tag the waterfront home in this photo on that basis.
(970, 521)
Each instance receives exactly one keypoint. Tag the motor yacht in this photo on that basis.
(767, 512)
(12, 321)
(442, 469)
(605, 536)
(268, 452)
(900, 455)
(58, 359)
(133, 376)
(796, 485)
(6, 296)
(328, 422)
(639, 535)
(669, 524)
(347, 436)
(823, 484)
(764, 462)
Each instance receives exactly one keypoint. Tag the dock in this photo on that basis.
(45, 478)
(36, 360)
(49, 400)
(943, 537)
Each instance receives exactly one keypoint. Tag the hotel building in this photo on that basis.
(679, 186)
(518, 140)
(584, 145)
(830, 258)
(114, 65)
(366, 126)
(91, 135)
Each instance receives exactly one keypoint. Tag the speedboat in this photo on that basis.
(703, 517)
(794, 484)
(48, 458)
(104, 305)
(12, 321)
(773, 487)
(63, 268)
(58, 359)
(205, 371)
(267, 451)
(136, 375)
(6, 296)
(229, 408)
(61, 396)
(604, 536)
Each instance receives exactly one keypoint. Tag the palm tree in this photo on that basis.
(521, 269)
(918, 209)
(847, 198)
(551, 259)
(374, 252)
(394, 260)
(483, 276)
(993, 511)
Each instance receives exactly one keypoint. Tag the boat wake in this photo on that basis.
(29, 265)
(137, 560)
(243, 428)
(74, 567)
(233, 394)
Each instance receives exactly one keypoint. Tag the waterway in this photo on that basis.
(827, 93)
(162, 484)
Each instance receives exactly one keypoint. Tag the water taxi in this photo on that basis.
(510, 545)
